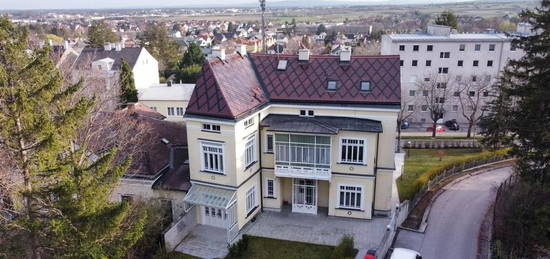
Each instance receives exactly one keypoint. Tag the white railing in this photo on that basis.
(303, 172)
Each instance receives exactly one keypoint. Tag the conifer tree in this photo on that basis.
(99, 34)
(128, 91)
(60, 207)
(447, 18)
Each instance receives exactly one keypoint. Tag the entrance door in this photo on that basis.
(214, 217)
(304, 196)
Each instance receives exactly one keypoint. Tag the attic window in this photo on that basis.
(331, 85)
(365, 86)
(282, 64)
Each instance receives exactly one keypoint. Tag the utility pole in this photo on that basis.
(262, 6)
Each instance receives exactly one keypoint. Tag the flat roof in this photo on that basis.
(176, 92)
(330, 125)
(453, 37)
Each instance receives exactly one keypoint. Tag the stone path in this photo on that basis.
(205, 242)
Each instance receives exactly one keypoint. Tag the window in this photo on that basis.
(401, 63)
(478, 47)
(412, 79)
(412, 92)
(401, 47)
(423, 120)
(212, 157)
(251, 199)
(331, 85)
(456, 94)
(491, 47)
(444, 54)
(441, 85)
(153, 108)
(489, 63)
(171, 111)
(307, 113)
(426, 79)
(440, 100)
(460, 63)
(414, 63)
(425, 93)
(476, 63)
(455, 108)
(211, 127)
(428, 63)
(410, 108)
(474, 78)
(471, 93)
(365, 86)
(269, 143)
(270, 188)
(429, 47)
(350, 197)
(282, 64)
(352, 151)
(487, 78)
(458, 78)
(443, 70)
(485, 93)
(250, 151)
(415, 47)
(249, 122)
(179, 111)
(462, 47)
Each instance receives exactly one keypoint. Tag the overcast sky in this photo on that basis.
(92, 4)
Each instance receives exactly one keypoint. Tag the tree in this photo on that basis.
(330, 37)
(435, 92)
(447, 18)
(60, 204)
(470, 95)
(306, 42)
(321, 28)
(230, 27)
(128, 91)
(189, 74)
(163, 47)
(495, 124)
(99, 34)
(192, 56)
(404, 114)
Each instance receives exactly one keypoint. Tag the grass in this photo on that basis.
(418, 161)
(261, 247)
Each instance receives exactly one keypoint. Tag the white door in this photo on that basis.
(304, 196)
(214, 217)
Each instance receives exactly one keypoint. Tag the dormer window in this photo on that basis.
(365, 86)
(331, 85)
(282, 64)
(307, 113)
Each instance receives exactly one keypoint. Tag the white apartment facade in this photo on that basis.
(455, 58)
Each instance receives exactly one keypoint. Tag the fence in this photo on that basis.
(180, 229)
(399, 215)
(440, 143)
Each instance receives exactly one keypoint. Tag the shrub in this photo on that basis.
(237, 249)
(344, 249)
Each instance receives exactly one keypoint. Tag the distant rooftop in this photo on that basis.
(436, 32)
(163, 92)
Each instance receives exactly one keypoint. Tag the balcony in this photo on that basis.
(302, 156)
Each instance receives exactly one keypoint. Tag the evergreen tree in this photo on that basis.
(99, 34)
(62, 202)
(447, 18)
(495, 126)
(321, 28)
(193, 56)
(163, 47)
(230, 27)
(128, 91)
(189, 74)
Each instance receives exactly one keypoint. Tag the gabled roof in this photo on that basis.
(89, 55)
(240, 84)
(226, 89)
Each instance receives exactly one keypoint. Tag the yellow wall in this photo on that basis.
(242, 219)
(368, 190)
(162, 107)
(384, 180)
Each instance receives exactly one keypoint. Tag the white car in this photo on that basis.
(404, 253)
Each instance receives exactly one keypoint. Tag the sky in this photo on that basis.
(94, 4)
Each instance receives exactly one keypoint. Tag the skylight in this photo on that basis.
(365, 86)
(282, 64)
(331, 85)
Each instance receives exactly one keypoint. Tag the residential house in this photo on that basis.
(168, 99)
(309, 134)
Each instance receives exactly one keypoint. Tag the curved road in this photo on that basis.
(455, 218)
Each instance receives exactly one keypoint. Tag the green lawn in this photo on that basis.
(418, 161)
(260, 248)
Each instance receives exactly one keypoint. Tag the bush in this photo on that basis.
(237, 249)
(344, 249)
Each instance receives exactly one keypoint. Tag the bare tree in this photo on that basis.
(470, 94)
(435, 90)
(404, 114)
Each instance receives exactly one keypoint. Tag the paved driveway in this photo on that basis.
(455, 218)
(318, 229)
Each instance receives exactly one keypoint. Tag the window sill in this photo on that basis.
(211, 131)
(250, 165)
(350, 163)
(268, 152)
(211, 172)
(251, 211)
(340, 208)
(270, 197)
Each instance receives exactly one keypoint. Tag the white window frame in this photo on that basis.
(364, 146)
(251, 202)
(249, 122)
(361, 198)
(274, 194)
(204, 168)
(171, 111)
(250, 151)
(210, 127)
(267, 142)
(180, 111)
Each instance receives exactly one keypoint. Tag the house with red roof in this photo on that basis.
(293, 134)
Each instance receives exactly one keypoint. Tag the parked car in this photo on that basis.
(438, 128)
(452, 124)
(404, 253)
(404, 125)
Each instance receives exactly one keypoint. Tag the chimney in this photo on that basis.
(345, 55)
(66, 45)
(303, 55)
(118, 46)
(218, 53)
(241, 48)
(107, 46)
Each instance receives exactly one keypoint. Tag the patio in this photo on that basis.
(317, 229)
(205, 242)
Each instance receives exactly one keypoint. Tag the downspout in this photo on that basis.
(260, 163)
(375, 171)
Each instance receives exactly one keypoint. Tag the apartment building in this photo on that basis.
(458, 61)
(299, 133)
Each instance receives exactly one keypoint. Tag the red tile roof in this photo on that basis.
(229, 89)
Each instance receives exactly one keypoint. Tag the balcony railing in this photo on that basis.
(302, 160)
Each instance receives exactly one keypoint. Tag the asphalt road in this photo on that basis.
(455, 218)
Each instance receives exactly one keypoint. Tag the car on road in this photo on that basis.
(438, 128)
(452, 124)
(405, 125)
(404, 253)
